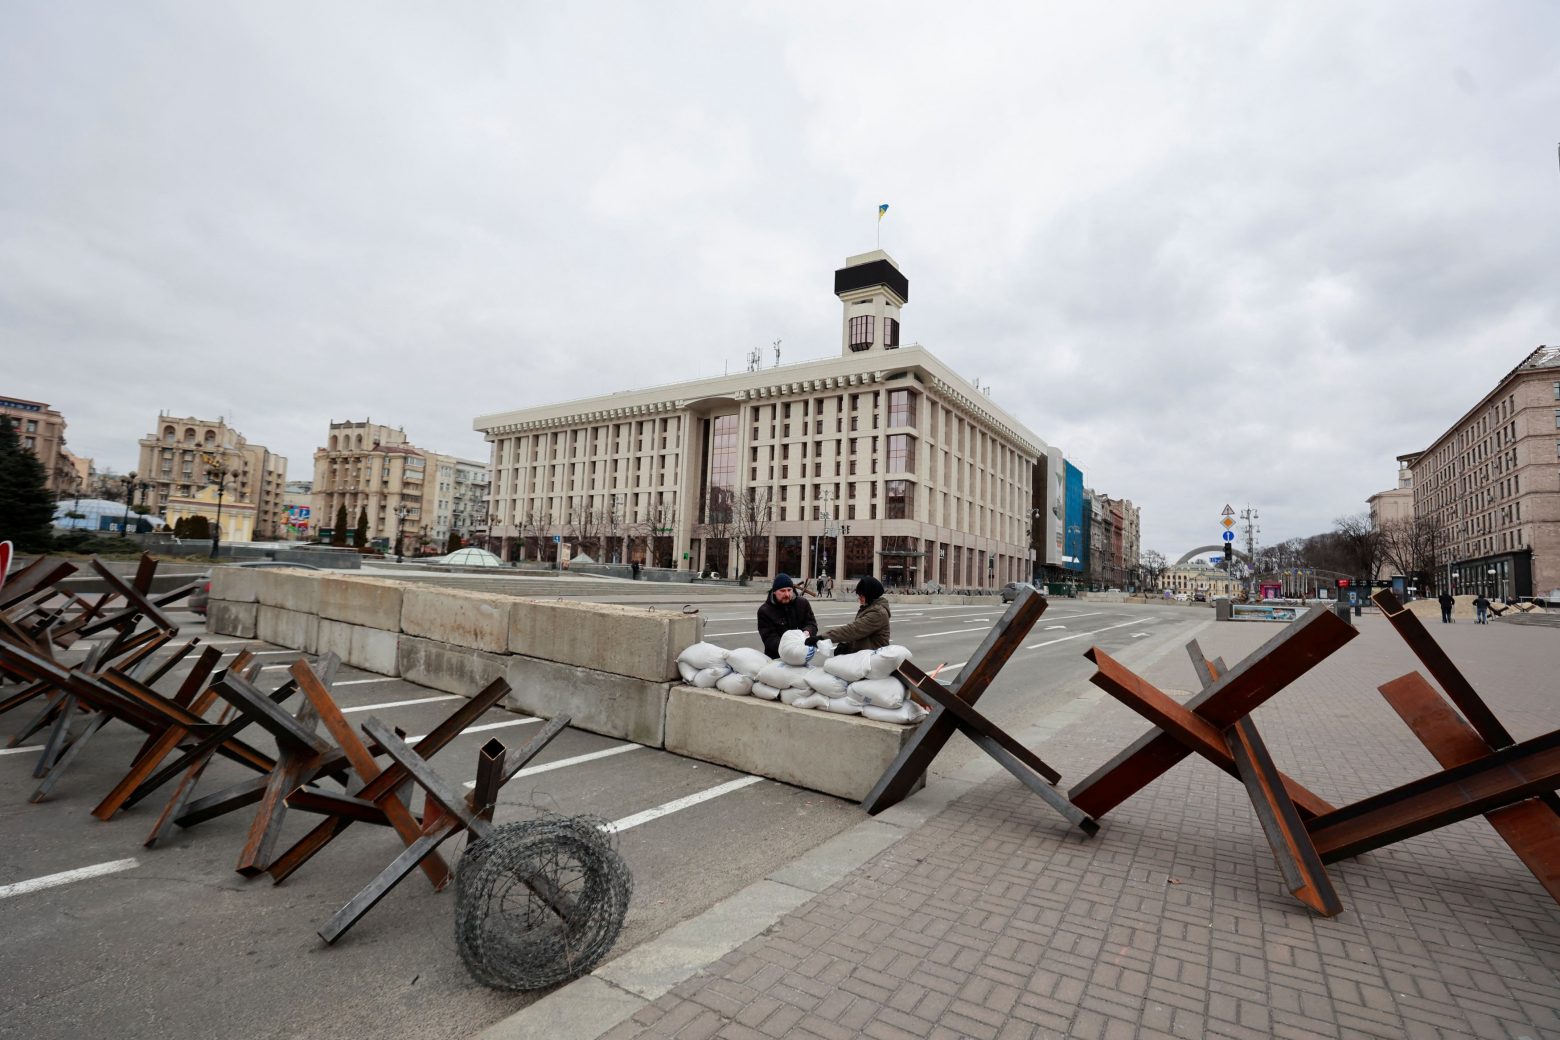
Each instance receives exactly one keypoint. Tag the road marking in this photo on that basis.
(1052, 628)
(65, 877)
(976, 621)
(619, 826)
(480, 729)
(360, 682)
(21, 750)
(1080, 635)
(266, 653)
(1139, 635)
(402, 704)
(548, 767)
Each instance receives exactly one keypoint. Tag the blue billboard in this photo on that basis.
(1072, 518)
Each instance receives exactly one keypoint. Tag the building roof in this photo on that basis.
(1545, 357)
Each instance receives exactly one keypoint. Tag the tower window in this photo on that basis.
(861, 332)
(890, 333)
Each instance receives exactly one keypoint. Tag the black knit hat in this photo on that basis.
(782, 581)
(869, 587)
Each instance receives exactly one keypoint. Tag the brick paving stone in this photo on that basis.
(994, 920)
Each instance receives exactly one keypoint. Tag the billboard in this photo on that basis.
(1072, 516)
(297, 519)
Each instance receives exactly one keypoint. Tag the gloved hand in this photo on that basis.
(812, 640)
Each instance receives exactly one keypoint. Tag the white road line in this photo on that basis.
(1139, 635)
(548, 767)
(949, 632)
(619, 826)
(267, 653)
(1068, 617)
(1052, 628)
(402, 704)
(65, 877)
(360, 682)
(479, 729)
(976, 621)
(1080, 635)
(21, 750)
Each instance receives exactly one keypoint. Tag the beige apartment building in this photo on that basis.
(881, 460)
(183, 455)
(1393, 506)
(1491, 485)
(420, 496)
(41, 430)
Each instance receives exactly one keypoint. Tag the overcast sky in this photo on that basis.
(1217, 254)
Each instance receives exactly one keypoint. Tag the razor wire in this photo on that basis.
(539, 902)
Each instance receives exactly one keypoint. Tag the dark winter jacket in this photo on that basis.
(868, 631)
(776, 618)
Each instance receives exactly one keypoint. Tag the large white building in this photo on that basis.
(882, 460)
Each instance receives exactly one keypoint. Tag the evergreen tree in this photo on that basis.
(26, 507)
(360, 536)
(338, 533)
(452, 543)
(200, 528)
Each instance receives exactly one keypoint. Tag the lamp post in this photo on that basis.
(1489, 586)
(400, 521)
(124, 524)
(216, 531)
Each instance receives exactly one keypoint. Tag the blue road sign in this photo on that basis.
(557, 538)
(1229, 536)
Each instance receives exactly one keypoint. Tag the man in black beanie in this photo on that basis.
(869, 629)
(784, 609)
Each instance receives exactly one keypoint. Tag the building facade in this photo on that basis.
(1491, 486)
(183, 455)
(880, 461)
(41, 430)
(1393, 506)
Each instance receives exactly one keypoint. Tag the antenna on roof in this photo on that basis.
(777, 353)
(755, 359)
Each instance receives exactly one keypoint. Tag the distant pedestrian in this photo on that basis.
(636, 570)
(1447, 602)
(1481, 610)
(828, 588)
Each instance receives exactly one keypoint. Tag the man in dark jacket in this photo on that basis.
(784, 609)
(869, 629)
(1447, 602)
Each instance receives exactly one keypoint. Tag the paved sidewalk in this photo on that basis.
(992, 920)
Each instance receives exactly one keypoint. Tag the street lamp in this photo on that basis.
(216, 532)
(1489, 586)
(400, 519)
(124, 524)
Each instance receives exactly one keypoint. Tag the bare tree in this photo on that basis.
(1410, 546)
(1359, 544)
(751, 526)
(585, 528)
(1152, 565)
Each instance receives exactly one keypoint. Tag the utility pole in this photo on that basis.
(1250, 516)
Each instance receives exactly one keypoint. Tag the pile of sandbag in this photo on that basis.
(805, 676)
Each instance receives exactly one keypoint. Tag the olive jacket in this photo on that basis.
(868, 631)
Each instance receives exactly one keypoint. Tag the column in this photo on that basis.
(877, 554)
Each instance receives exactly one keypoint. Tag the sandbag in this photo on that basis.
(687, 671)
(886, 660)
(790, 694)
(706, 678)
(704, 655)
(880, 693)
(780, 675)
(907, 712)
(842, 706)
(734, 683)
(812, 700)
(768, 693)
(746, 660)
(828, 685)
(821, 653)
(793, 647)
(849, 667)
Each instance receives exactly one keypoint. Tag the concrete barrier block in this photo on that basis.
(476, 620)
(601, 702)
(290, 628)
(842, 755)
(231, 619)
(289, 589)
(606, 637)
(441, 666)
(236, 584)
(361, 647)
(370, 602)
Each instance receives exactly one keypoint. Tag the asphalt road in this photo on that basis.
(176, 944)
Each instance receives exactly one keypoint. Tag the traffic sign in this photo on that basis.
(557, 538)
(1228, 523)
(1227, 511)
(1229, 536)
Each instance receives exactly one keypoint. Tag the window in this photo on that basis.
(901, 454)
(1557, 390)
(901, 408)
(890, 333)
(861, 332)
(897, 492)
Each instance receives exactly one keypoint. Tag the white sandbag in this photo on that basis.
(881, 693)
(687, 671)
(793, 647)
(790, 694)
(821, 653)
(812, 700)
(828, 685)
(734, 683)
(885, 660)
(843, 706)
(704, 655)
(746, 660)
(907, 712)
(849, 667)
(781, 675)
(706, 678)
(768, 693)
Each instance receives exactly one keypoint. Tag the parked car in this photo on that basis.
(1200, 597)
(1181, 597)
(1013, 589)
(202, 594)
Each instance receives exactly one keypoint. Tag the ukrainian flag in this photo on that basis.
(882, 210)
